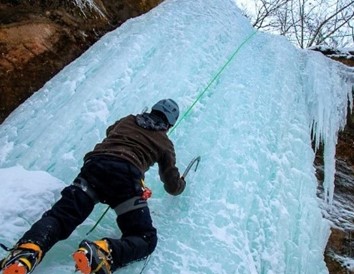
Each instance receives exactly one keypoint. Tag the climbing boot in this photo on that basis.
(93, 257)
(22, 259)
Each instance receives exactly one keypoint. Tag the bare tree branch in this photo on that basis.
(325, 21)
(309, 22)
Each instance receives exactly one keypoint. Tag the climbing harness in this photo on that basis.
(85, 186)
(131, 204)
(135, 202)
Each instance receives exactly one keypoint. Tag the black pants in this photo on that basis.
(114, 181)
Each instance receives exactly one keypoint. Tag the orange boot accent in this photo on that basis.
(34, 247)
(16, 268)
(22, 259)
(93, 257)
(81, 261)
(103, 244)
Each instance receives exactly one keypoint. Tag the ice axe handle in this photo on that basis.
(194, 160)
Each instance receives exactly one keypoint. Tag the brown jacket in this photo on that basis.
(143, 148)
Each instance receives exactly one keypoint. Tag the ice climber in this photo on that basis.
(113, 174)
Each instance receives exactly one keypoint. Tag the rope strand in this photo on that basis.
(213, 80)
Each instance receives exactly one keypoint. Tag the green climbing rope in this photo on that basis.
(213, 80)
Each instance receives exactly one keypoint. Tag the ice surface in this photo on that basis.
(248, 102)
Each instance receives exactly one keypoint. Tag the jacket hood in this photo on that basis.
(151, 121)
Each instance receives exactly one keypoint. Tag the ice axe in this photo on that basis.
(196, 161)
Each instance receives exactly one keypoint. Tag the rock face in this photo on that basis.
(339, 255)
(340, 248)
(39, 38)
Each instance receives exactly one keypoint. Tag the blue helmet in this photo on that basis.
(169, 108)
